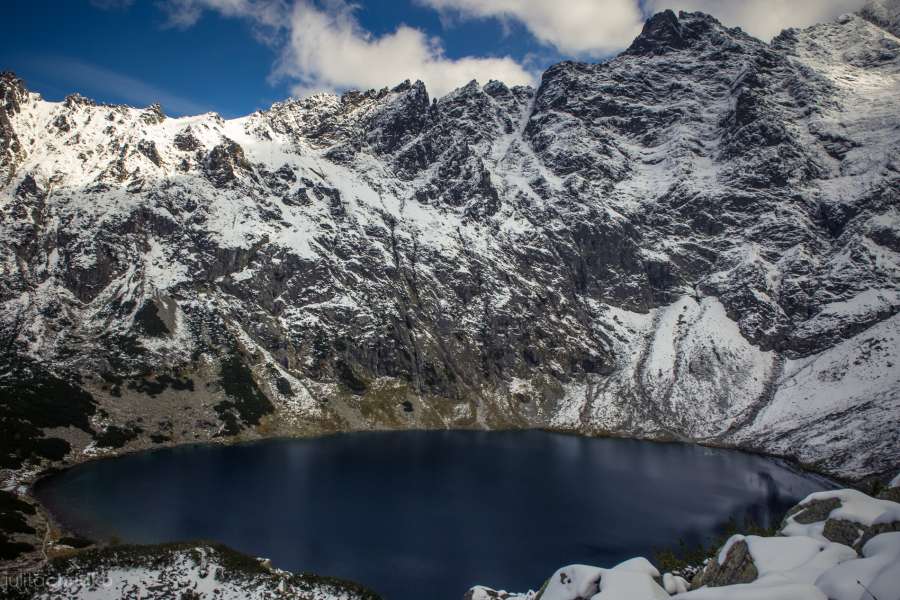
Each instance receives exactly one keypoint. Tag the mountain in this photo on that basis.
(698, 239)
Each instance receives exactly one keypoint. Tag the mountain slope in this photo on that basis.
(695, 240)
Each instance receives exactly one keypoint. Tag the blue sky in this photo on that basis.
(236, 56)
(132, 55)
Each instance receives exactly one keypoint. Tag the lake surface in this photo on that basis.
(428, 514)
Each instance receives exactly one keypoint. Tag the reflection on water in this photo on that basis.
(404, 512)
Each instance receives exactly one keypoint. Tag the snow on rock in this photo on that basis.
(634, 578)
(854, 386)
(787, 591)
(839, 515)
(675, 584)
(572, 582)
(686, 371)
(877, 575)
(799, 559)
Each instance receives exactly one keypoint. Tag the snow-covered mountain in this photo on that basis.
(698, 239)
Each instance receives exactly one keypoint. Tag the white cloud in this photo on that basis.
(326, 48)
(593, 27)
(598, 27)
(185, 13)
(322, 46)
(329, 50)
(765, 18)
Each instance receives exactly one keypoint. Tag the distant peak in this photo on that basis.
(667, 31)
(405, 86)
(8, 79)
(661, 32)
(12, 91)
(884, 13)
(76, 99)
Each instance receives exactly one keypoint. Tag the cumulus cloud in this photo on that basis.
(266, 13)
(322, 45)
(329, 50)
(599, 27)
(765, 18)
(324, 48)
(575, 27)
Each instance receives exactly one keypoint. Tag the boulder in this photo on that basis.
(847, 517)
(733, 565)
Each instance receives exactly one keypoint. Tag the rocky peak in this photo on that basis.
(223, 163)
(153, 114)
(76, 99)
(12, 92)
(661, 32)
(665, 31)
(884, 13)
(400, 118)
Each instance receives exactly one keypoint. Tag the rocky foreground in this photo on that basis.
(834, 545)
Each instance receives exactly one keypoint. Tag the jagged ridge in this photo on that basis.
(697, 239)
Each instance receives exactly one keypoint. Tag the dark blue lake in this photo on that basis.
(428, 514)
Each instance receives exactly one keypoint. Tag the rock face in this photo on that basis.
(737, 567)
(846, 517)
(695, 240)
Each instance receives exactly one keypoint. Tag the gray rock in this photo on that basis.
(738, 567)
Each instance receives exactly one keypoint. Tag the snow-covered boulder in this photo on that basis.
(877, 575)
(571, 582)
(732, 565)
(754, 591)
(675, 584)
(845, 516)
(635, 578)
(632, 579)
(776, 560)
